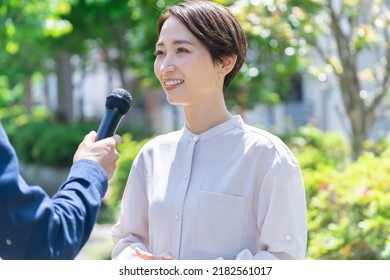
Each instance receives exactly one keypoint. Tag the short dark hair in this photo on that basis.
(213, 25)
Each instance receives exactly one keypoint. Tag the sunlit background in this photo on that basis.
(317, 75)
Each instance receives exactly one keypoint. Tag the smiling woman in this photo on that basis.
(218, 188)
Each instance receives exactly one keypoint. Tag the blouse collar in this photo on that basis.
(234, 122)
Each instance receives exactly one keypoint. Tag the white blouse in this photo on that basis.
(232, 192)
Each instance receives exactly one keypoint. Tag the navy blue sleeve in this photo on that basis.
(35, 226)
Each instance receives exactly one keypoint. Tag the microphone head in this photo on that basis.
(119, 99)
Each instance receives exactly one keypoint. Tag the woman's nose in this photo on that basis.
(167, 65)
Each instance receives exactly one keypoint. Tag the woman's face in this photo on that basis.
(184, 66)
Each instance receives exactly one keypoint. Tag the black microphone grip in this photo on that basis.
(109, 124)
(118, 103)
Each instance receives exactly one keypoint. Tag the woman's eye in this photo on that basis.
(158, 53)
(180, 50)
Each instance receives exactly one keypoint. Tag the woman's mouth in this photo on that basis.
(170, 84)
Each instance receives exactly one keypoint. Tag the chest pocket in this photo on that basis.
(217, 225)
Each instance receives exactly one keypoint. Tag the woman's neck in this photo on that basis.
(201, 119)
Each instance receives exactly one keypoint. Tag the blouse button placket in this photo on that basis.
(183, 190)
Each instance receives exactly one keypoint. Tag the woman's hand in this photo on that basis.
(148, 256)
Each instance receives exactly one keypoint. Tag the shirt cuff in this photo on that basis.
(92, 172)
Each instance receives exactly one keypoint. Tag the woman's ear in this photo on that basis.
(227, 64)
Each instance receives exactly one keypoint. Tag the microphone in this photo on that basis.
(118, 103)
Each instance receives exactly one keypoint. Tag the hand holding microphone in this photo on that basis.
(100, 147)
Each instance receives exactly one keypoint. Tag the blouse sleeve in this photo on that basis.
(282, 214)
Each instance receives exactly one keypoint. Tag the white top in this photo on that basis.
(232, 192)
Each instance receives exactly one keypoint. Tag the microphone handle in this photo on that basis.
(109, 124)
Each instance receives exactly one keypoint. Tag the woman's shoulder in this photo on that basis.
(260, 134)
(265, 139)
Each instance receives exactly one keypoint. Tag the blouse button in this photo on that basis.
(8, 241)
(288, 237)
(177, 217)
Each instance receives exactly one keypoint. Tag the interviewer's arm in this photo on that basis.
(35, 226)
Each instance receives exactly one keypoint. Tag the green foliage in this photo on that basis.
(276, 50)
(23, 41)
(49, 143)
(125, 34)
(128, 150)
(36, 138)
(348, 215)
(315, 148)
(8, 95)
(14, 116)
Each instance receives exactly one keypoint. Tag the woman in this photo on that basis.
(218, 188)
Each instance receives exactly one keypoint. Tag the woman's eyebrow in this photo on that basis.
(176, 42)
